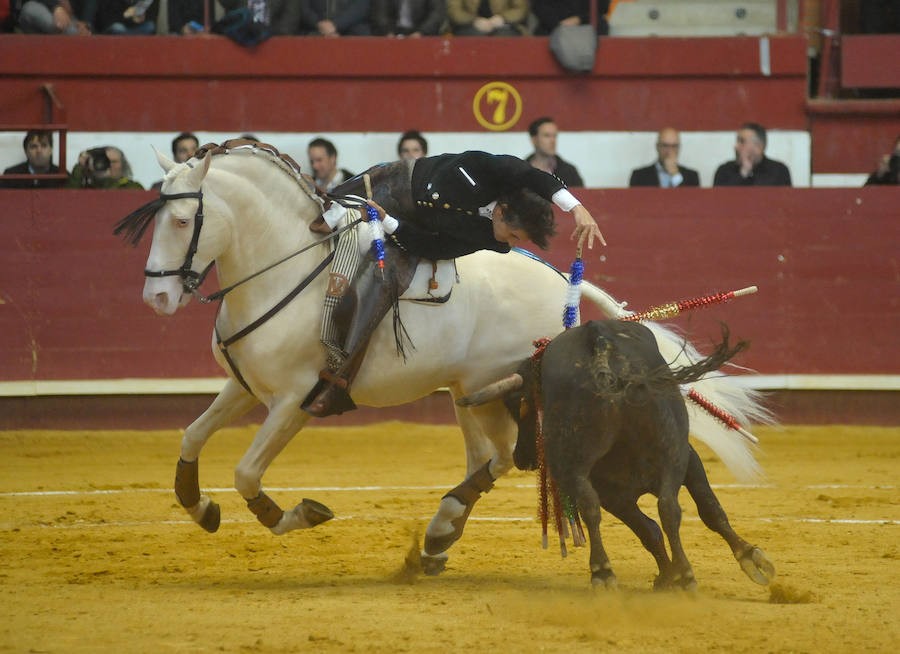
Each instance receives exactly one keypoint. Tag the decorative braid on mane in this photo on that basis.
(283, 161)
(133, 226)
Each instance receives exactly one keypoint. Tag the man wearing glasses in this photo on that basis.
(665, 171)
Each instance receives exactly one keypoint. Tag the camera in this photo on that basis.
(98, 162)
(96, 167)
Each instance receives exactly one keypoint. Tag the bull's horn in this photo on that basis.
(493, 391)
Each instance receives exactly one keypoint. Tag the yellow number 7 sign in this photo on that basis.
(497, 106)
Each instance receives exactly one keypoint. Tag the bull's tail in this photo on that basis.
(724, 391)
(722, 354)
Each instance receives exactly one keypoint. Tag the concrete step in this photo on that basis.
(693, 18)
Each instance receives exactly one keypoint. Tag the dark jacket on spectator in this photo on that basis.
(767, 173)
(22, 169)
(649, 176)
(348, 16)
(566, 172)
(550, 12)
(100, 14)
(427, 16)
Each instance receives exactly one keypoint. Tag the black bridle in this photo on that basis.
(190, 279)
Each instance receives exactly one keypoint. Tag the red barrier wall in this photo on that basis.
(825, 261)
(354, 84)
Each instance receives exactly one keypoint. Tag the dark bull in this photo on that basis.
(616, 427)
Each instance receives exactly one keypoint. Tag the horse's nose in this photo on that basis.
(159, 302)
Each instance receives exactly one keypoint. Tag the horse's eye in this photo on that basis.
(182, 222)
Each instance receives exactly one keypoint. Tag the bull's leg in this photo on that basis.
(230, 404)
(284, 421)
(680, 572)
(486, 460)
(753, 560)
(580, 488)
(643, 526)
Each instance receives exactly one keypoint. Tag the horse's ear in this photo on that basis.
(195, 175)
(165, 163)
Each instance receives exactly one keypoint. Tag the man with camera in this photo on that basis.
(888, 171)
(102, 168)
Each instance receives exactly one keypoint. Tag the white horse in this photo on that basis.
(256, 209)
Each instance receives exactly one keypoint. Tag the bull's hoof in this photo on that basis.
(315, 512)
(605, 579)
(212, 518)
(757, 566)
(433, 565)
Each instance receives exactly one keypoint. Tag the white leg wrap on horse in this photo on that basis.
(199, 509)
(305, 515)
(291, 520)
(442, 523)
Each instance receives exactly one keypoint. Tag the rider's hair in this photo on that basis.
(525, 209)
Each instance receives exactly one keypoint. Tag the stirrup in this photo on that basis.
(328, 399)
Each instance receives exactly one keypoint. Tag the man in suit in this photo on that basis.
(751, 166)
(665, 171)
(38, 145)
(438, 207)
(543, 133)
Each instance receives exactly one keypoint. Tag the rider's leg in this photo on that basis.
(372, 294)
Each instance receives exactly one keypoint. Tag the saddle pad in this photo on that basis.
(445, 277)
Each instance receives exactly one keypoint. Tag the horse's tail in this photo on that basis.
(724, 391)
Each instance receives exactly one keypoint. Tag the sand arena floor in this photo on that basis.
(96, 556)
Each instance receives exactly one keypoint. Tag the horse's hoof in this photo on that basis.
(434, 564)
(212, 517)
(315, 512)
(757, 566)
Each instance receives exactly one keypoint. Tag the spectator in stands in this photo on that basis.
(183, 148)
(335, 17)
(552, 13)
(323, 161)
(879, 16)
(412, 145)
(488, 17)
(543, 132)
(102, 168)
(38, 145)
(412, 18)
(666, 171)
(121, 17)
(46, 17)
(751, 167)
(888, 171)
(186, 16)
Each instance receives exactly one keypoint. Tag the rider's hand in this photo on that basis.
(377, 207)
(585, 227)
(389, 223)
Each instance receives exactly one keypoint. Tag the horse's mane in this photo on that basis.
(133, 226)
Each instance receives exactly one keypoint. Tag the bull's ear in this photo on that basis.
(164, 162)
(194, 177)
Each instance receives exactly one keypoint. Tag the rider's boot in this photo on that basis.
(370, 299)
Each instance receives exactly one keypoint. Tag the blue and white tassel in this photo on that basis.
(377, 236)
(573, 294)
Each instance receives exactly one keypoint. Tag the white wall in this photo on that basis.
(604, 159)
